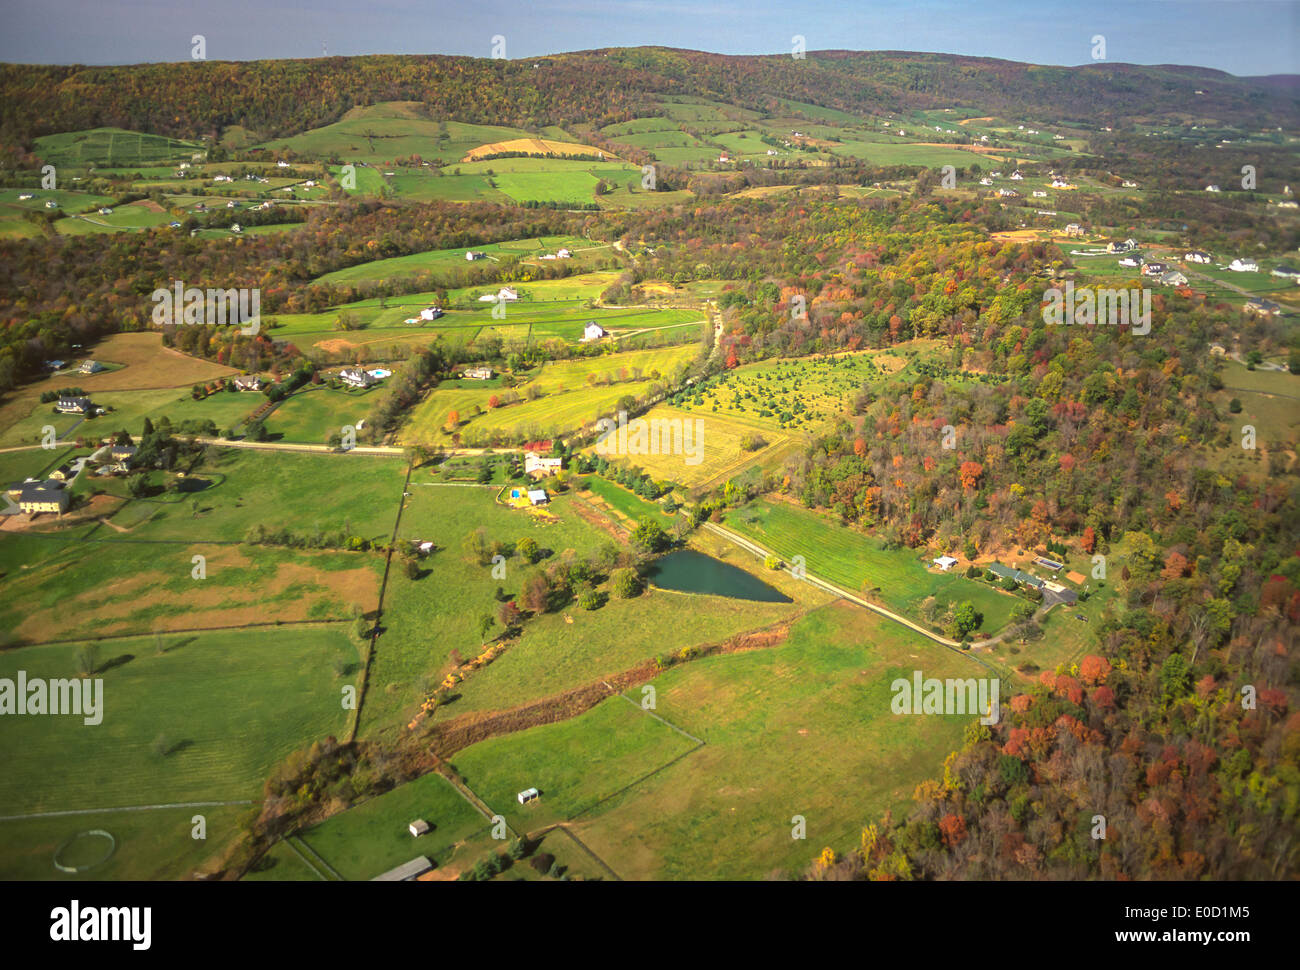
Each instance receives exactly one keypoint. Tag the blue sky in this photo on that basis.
(1238, 36)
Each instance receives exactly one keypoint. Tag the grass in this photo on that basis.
(305, 492)
(717, 445)
(59, 588)
(859, 563)
(415, 264)
(111, 147)
(230, 706)
(311, 416)
(574, 764)
(372, 837)
(800, 728)
(633, 507)
(389, 130)
(426, 618)
(153, 845)
(567, 400)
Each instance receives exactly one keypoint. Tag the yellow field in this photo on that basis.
(567, 402)
(719, 449)
(535, 146)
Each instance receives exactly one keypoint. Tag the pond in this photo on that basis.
(689, 571)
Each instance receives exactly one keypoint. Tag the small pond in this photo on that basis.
(693, 572)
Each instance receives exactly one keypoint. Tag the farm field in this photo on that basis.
(372, 837)
(61, 589)
(392, 129)
(724, 810)
(805, 394)
(112, 148)
(716, 442)
(574, 764)
(858, 563)
(400, 267)
(567, 400)
(224, 707)
(312, 416)
(238, 488)
(452, 592)
(152, 845)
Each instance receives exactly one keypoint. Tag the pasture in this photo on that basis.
(896, 578)
(725, 809)
(188, 717)
(112, 148)
(236, 489)
(150, 845)
(372, 837)
(60, 588)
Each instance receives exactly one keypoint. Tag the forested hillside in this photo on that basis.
(276, 98)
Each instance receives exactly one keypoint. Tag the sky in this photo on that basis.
(1243, 37)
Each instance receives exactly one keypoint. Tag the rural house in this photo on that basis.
(593, 331)
(539, 466)
(1286, 272)
(1260, 306)
(478, 373)
(431, 313)
(1240, 265)
(47, 496)
(250, 383)
(90, 367)
(356, 377)
(75, 405)
(945, 562)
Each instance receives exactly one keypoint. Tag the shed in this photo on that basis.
(945, 562)
(406, 871)
(528, 795)
(418, 827)
(537, 496)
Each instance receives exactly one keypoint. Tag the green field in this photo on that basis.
(400, 267)
(372, 837)
(311, 416)
(238, 488)
(60, 587)
(151, 845)
(390, 130)
(111, 147)
(802, 728)
(574, 764)
(859, 563)
(228, 706)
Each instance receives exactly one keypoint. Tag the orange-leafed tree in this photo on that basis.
(971, 472)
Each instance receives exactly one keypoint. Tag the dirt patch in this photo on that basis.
(536, 146)
(335, 346)
(1076, 578)
(150, 205)
(586, 510)
(448, 737)
(967, 121)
